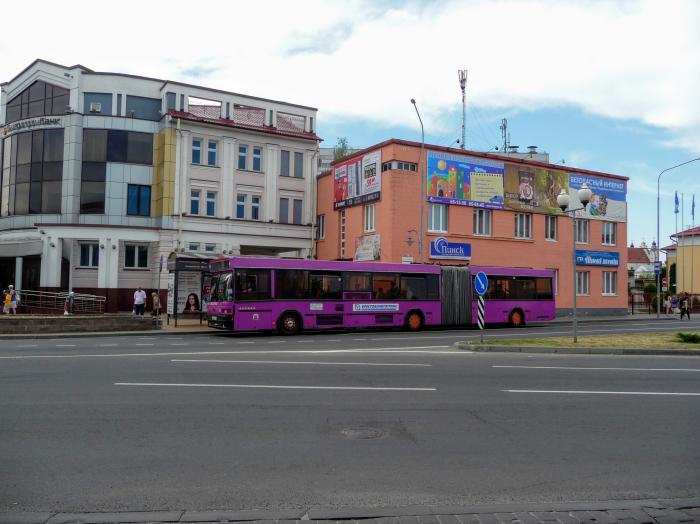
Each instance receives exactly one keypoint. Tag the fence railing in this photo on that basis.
(640, 302)
(50, 301)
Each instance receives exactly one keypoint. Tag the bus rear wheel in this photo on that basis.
(289, 324)
(414, 321)
(517, 319)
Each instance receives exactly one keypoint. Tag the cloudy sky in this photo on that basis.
(605, 85)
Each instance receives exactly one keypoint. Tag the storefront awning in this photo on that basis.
(20, 248)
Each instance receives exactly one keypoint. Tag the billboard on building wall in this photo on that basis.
(464, 181)
(529, 189)
(357, 181)
(367, 248)
(609, 201)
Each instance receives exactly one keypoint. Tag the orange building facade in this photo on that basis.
(480, 209)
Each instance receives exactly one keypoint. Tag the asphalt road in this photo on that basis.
(334, 420)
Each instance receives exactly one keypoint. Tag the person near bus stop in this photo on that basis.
(7, 301)
(14, 298)
(156, 305)
(685, 306)
(674, 304)
(139, 301)
(69, 305)
(667, 304)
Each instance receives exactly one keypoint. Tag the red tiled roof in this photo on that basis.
(637, 255)
(206, 118)
(693, 231)
(670, 247)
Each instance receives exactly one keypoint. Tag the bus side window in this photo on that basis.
(252, 284)
(385, 286)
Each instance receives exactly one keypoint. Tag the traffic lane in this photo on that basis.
(335, 339)
(188, 447)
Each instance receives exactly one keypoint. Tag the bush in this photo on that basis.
(690, 338)
(650, 288)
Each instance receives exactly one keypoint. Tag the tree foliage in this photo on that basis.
(341, 148)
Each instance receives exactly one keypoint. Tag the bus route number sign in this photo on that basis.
(481, 283)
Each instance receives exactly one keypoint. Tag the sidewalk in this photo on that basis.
(614, 318)
(630, 512)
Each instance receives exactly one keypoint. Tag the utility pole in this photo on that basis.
(463, 86)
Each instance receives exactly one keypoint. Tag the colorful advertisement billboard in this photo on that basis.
(464, 181)
(357, 181)
(534, 190)
(609, 201)
(368, 248)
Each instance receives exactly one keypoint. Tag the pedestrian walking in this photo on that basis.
(156, 305)
(14, 298)
(674, 304)
(667, 305)
(69, 304)
(685, 306)
(139, 301)
(7, 301)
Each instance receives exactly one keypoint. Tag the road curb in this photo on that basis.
(574, 350)
(651, 510)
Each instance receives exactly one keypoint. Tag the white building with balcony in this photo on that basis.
(104, 175)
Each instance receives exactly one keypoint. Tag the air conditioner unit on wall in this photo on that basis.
(95, 107)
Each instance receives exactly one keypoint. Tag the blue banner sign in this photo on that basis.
(597, 258)
(442, 248)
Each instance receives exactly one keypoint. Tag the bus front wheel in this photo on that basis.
(289, 324)
(517, 319)
(414, 321)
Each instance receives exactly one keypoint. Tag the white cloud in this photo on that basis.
(626, 60)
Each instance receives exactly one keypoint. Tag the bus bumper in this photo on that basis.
(220, 322)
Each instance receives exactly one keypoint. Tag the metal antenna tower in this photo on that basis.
(463, 86)
(505, 135)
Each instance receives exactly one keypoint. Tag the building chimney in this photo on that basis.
(513, 149)
(532, 150)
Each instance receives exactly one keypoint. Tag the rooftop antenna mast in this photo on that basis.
(505, 134)
(463, 86)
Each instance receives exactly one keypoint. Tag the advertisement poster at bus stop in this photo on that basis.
(530, 189)
(189, 289)
(609, 200)
(171, 294)
(465, 181)
(357, 181)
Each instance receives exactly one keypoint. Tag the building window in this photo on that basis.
(135, 256)
(299, 165)
(609, 282)
(321, 227)
(482, 222)
(242, 157)
(437, 218)
(406, 166)
(582, 282)
(284, 210)
(386, 166)
(211, 203)
(196, 151)
(38, 99)
(138, 200)
(89, 255)
(240, 205)
(555, 281)
(255, 207)
(257, 158)
(124, 147)
(296, 211)
(193, 246)
(92, 188)
(609, 233)
(143, 107)
(284, 163)
(209, 248)
(369, 218)
(550, 227)
(523, 225)
(582, 231)
(211, 153)
(194, 201)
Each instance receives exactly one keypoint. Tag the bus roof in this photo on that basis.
(327, 265)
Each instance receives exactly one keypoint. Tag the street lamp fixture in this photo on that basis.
(423, 179)
(564, 201)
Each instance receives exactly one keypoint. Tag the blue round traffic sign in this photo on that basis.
(481, 283)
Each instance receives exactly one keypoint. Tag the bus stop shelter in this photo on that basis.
(188, 286)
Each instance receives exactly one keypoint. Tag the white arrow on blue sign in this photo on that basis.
(481, 283)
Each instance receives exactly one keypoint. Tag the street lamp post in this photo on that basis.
(563, 200)
(658, 234)
(422, 184)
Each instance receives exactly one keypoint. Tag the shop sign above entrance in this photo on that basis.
(43, 122)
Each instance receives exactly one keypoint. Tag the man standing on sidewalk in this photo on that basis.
(139, 301)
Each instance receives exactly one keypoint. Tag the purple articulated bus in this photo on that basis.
(290, 295)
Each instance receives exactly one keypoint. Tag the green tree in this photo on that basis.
(650, 288)
(341, 148)
(672, 278)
